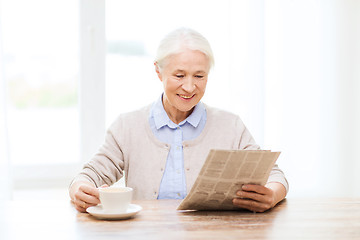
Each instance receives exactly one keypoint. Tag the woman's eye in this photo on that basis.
(199, 76)
(179, 76)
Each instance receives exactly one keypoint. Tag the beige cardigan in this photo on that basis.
(131, 146)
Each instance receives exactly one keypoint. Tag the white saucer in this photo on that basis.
(98, 212)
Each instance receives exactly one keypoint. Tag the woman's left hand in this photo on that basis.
(255, 198)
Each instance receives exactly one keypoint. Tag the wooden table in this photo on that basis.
(291, 219)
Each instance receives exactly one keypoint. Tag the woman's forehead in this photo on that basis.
(183, 60)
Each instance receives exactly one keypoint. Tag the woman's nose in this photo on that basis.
(189, 85)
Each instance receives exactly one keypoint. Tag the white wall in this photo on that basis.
(246, 71)
(312, 102)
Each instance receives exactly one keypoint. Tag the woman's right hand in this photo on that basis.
(84, 195)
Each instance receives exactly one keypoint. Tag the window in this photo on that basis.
(40, 57)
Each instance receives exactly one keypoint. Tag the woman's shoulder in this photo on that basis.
(219, 113)
(135, 117)
(219, 117)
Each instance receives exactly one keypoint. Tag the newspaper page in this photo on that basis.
(223, 174)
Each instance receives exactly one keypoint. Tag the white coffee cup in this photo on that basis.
(115, 199)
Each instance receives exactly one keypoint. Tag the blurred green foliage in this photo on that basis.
(54, 95)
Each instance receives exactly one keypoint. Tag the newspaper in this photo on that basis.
(223, 174)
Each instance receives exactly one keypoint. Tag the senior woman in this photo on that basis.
(162, 146)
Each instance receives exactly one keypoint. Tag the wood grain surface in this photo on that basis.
(159, 219)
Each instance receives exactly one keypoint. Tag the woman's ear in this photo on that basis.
(157, 70)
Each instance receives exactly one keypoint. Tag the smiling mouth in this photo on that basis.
(185, 96)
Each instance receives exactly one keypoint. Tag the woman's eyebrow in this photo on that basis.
(183, 71)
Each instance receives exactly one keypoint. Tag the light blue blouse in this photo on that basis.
(173, 184)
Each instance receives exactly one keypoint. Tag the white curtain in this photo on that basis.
(4, 153)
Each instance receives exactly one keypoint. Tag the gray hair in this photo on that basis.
(179, 40)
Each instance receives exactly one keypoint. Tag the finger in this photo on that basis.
(255, 205)
(88, 199)
(251, 205)
(81, 203)
(80, 209)
(82, 195)
(256, 188)
(254, 196)
(89, 190)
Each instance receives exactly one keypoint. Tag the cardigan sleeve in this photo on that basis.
(247, 142)
(107, 165)
(277, 175)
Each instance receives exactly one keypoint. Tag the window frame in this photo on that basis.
(91, 103)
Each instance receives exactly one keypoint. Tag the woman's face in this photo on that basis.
(184, 77)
